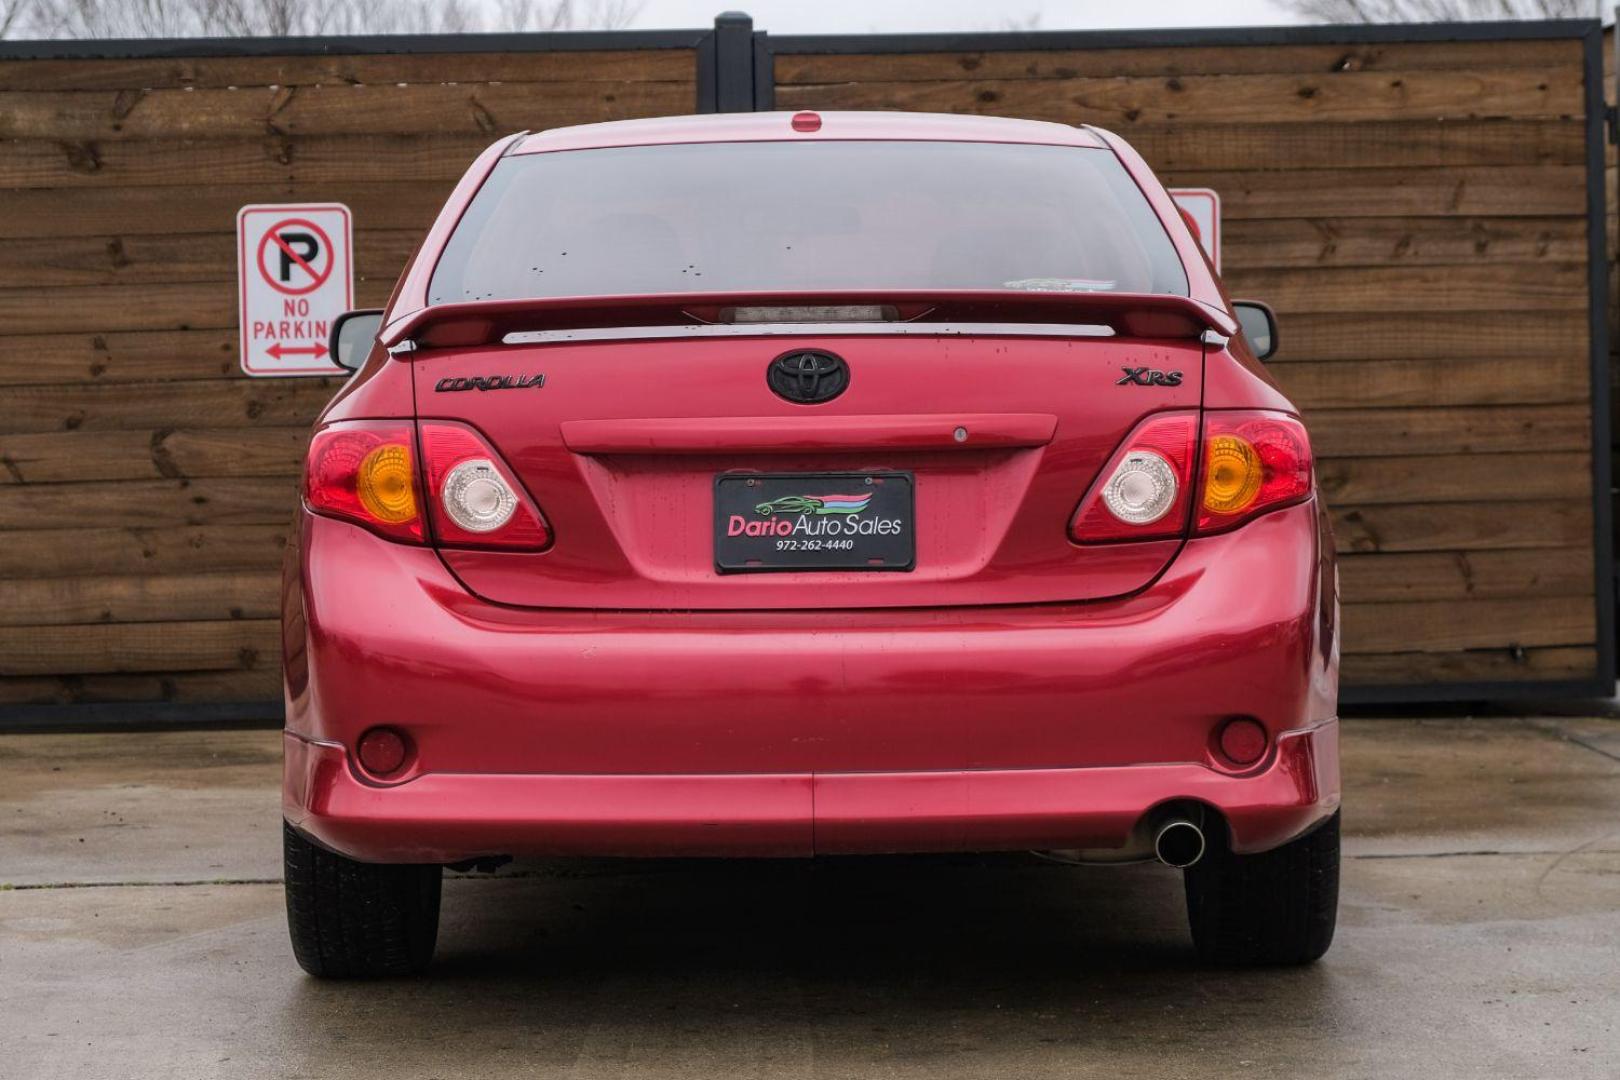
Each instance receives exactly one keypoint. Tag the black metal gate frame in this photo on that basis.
(736, 73)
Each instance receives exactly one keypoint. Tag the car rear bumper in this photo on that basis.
(791, 732)
(449, 817)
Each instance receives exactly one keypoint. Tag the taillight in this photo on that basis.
(364, 471)
(1253, 462)
(475, 500)
(1144, 491)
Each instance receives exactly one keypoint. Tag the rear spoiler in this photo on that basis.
(483, 322)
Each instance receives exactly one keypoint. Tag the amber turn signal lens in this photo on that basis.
(1255, 461)
(1233, 478)
(363, 471)
(384, 484)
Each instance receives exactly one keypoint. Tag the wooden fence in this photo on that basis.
(1417, 203)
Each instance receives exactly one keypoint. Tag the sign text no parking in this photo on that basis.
(296, 273)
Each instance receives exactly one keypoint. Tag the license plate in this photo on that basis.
(813, 521)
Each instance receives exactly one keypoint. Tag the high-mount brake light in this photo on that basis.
(1254, 461)
(811, 313)
(364, 471)
(1144, 492)
(475, 500)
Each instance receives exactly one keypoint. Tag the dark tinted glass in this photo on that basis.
(804, 216)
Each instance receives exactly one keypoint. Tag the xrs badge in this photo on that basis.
(1141, 376)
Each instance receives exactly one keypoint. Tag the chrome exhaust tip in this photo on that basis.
(1179, 843)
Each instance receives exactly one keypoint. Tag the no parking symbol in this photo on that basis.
(296, 273)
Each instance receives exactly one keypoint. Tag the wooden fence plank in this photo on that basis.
(134, 306)
(89, 549)
(149, 503)
(1488, 665)
(1434, 335)
(1504, 191)
(1464, 575)
(1437, 480)
(1551, 287)
(1515, 93)
(219, 72)
(1462, 527)
(148, 211)
(263, 159)
(1358, 145)
(63, 601)
(490, 109)
(262, 683)
(1449, 626)
(135, 647)
(1344, 433)
(217, 403)
(1528, 380)
(102, 357)
(1324, 59)
(164, 453)
(1299, 243)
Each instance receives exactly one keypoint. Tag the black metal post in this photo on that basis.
(733, 62)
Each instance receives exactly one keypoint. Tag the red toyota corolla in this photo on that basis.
(790, 485)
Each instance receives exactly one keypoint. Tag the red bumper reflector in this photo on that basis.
(1243, 741)
(382, 751)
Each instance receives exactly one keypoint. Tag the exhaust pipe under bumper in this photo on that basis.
(1179, 843)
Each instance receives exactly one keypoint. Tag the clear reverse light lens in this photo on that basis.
(1142, 489)
(476, 498)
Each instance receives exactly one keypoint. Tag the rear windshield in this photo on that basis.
(724, 217)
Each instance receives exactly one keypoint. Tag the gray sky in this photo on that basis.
(901, 16)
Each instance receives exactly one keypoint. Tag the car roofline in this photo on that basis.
(830, 127)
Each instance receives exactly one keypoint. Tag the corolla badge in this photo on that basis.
(489, 382)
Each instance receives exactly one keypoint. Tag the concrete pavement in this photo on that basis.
(142, 935)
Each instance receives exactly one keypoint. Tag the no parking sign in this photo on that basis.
(296, 275)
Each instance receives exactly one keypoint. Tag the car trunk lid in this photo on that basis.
(995, 414)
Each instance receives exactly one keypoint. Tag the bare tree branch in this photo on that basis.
(1401, 11)
(300, 18)
(11, 12)
(1031, 21)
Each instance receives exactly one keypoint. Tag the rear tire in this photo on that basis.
(355, 920)
(1278, 907)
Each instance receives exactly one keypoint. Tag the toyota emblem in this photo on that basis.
(808, 376)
